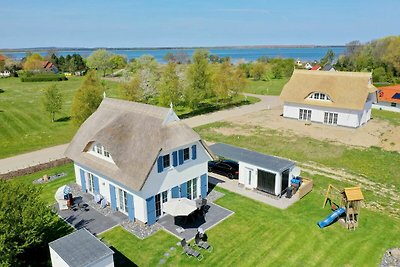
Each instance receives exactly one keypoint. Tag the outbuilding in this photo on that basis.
(258, 171)
(80, 248)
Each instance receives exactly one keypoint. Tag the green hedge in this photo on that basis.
(47, 77)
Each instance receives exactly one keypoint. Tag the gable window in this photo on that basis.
(186, 154)
(166, 161)
(319, 96)
(101, 150)
(106, 153)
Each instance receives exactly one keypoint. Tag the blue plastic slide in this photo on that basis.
(328, 220)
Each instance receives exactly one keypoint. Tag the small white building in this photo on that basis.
(258, 171)
(329, 97)
(138, 157)
(388, 98)
(79, 249)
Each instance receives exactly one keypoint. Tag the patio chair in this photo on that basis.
(189, 251)
(202, 244)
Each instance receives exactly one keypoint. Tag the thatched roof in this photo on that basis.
(134, 134)
(348, 90)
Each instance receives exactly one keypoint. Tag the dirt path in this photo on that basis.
(375, 133)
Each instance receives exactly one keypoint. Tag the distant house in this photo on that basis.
(49, 66)
(3, 58)
(389, 98)
(328, 67)
(138, 157)
(316, 67)
(78, 249)
(308, 66)
(299, 63)
(5, 74)
(329, 97)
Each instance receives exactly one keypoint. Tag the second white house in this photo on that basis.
(329, 97)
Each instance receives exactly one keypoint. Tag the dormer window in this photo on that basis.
(319, 96)
(99, 149)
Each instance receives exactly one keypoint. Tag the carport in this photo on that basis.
(258, 171)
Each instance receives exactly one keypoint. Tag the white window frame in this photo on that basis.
(331, 118)
(192, 188)
(319, 96)
(122, 200)
(90, 183)
(305, 114)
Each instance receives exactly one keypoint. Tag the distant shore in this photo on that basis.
(42, 49)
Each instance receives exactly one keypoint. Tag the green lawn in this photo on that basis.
(271, 87)
(391, 117)
(260, 235)
(24, 125)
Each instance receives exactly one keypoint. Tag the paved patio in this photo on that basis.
(233, 185)
(214, 215)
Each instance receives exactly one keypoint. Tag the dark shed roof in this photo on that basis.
(80, 248)
(261, 160)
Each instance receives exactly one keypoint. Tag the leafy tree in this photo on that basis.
(257, 70)
(239, 82)
(87, 99)
(263, 59)
(352, 47)
(169, 57)
(198, 78)
(328, 58)
(12, 66)
(133, 90)
(223, 80)
(33, 62)
(53, 100)
(392, 55)
(25, 223)
(379, 75)
(181, 57)
(100, 60)
(169, 86)
(2, 65)
(117, 62)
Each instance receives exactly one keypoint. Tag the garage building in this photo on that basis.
(258, 171)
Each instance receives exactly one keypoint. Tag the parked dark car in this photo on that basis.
(228, 168)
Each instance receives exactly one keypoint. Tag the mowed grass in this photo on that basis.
(389, 116)
(260, 235)
(25, 125)
(49, 189)
(271, 87)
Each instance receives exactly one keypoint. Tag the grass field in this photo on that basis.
(271, 87)
(272, 237)
(391, 117)
(25, 126)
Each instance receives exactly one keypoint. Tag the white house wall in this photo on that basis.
(106, 262)
(386, 106)
(346, 117)
(243, 176)
(56, 260)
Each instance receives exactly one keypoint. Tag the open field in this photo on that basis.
(25, 126)
(271, 87)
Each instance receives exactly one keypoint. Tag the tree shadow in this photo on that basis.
(63, 119)
(120, 259)
(1, 91)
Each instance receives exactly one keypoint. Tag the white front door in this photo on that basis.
(250, 177)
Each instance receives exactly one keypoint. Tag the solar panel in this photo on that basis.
(396, 96)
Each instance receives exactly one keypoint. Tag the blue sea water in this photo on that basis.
(248, 54)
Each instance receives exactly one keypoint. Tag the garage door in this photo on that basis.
(266, 181)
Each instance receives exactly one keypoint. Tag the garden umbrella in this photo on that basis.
(179, 207)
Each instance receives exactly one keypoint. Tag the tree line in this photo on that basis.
(381, 57)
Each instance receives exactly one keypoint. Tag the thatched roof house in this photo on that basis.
(126, 142)
(329, 92)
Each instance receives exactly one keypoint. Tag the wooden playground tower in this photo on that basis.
(349, 198)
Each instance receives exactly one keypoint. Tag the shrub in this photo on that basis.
(42, 77)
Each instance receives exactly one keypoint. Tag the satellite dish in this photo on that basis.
(296, 171)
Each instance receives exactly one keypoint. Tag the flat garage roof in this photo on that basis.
(80, 248)
(251, 157)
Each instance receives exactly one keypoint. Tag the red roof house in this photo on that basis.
(316, 67)
(389, 94)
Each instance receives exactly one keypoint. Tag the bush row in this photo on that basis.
(43, 78)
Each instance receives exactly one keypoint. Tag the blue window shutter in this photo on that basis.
(96, 184)
(83, 180)
(194, 152)
(175, 158)
(113, 197)
(184, 189)
(151, 210)
(160, 164)
(131, 207)
(203, 185)
(175, 192)
(180, 156)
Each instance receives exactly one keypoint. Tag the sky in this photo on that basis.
(187, 23)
